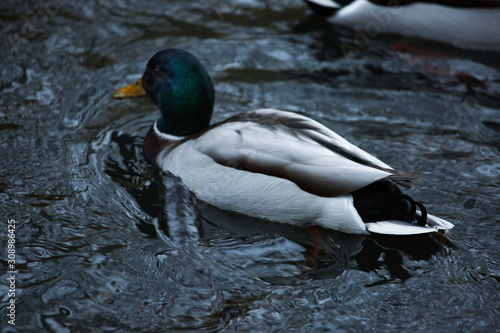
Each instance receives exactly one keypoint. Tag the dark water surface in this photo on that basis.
(73, 176)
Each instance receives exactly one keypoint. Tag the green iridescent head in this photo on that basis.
(180, 86)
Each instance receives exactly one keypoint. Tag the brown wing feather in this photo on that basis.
(321, 135)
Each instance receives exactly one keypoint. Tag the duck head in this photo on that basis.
(179, 85)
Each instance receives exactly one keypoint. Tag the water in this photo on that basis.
(89, 256)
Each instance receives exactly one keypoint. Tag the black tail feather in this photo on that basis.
(382, 201)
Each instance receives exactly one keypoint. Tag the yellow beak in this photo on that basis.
(133, 90)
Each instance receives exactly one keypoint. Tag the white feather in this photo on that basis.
(325, 3)
(259, 195)
(464, 27)
(297, 154)
(438, 222)
(320, 133)
(398, 228)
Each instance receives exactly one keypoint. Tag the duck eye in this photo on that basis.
(158, 71)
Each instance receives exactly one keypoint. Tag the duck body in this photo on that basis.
(245, 166)
(465, 24)
(283, 167)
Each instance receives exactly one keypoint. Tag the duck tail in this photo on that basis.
(437, 222)
(423, 223)
(324, 8)
(393, 227)
(386, 210)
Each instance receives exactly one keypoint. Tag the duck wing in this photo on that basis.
(294, 147)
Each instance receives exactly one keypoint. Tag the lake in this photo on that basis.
(85, 202)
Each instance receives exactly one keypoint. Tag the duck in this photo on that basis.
(464, 24)
(270, 164)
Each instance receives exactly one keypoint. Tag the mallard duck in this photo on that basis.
(463, 23)
(271, 164)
